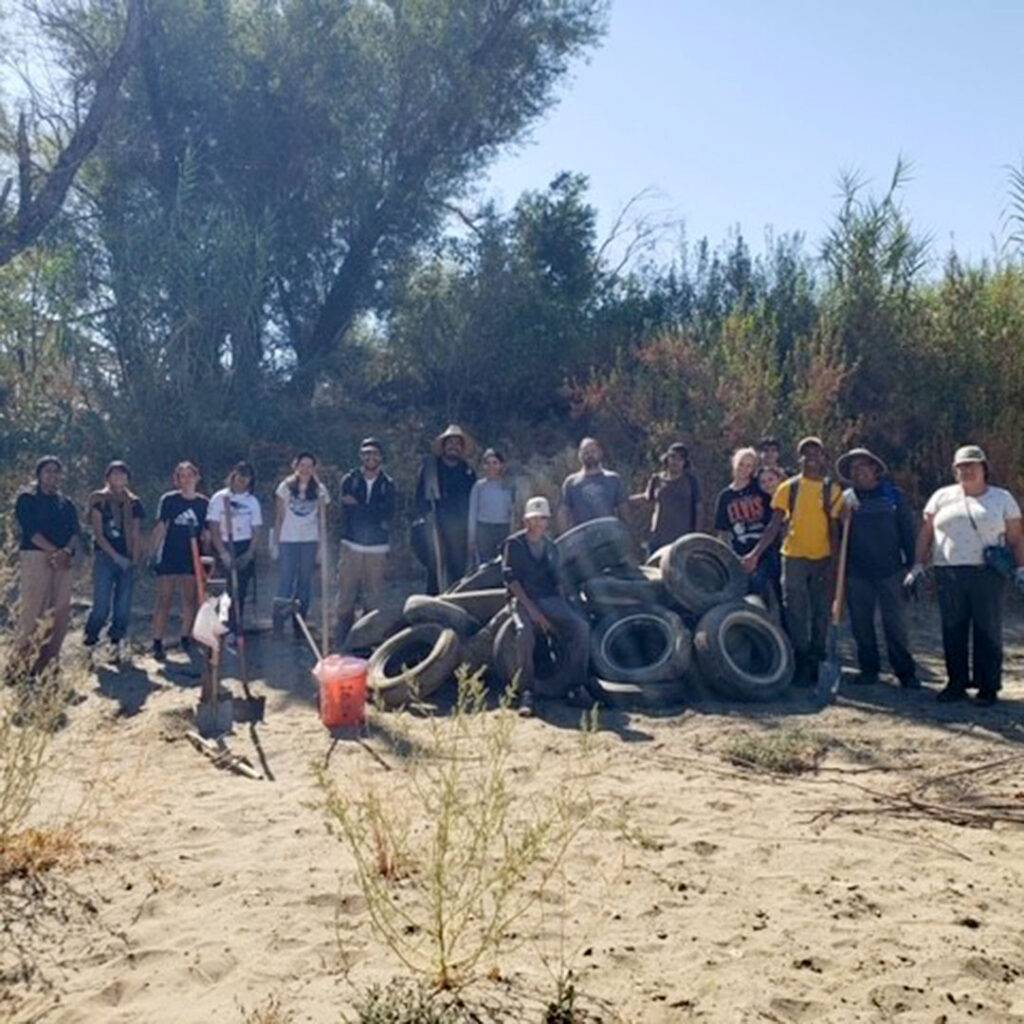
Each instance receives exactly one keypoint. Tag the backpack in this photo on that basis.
(826, 495)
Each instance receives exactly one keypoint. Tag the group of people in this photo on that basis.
(785, 528)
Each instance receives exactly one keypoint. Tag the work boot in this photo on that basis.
(158, 650)
(863, 678)
(949, 694)
(526, 704)
(985, 699)
(910, 682)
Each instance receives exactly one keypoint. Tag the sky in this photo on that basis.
(744, 113)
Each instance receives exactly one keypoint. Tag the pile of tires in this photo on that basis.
(655, 628)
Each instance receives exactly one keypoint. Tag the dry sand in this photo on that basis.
(697, 890)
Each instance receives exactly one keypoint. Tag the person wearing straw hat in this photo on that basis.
(972, 536)
(530, 571)
(442, 498)
(881, 550)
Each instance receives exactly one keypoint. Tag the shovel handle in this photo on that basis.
(844, 547)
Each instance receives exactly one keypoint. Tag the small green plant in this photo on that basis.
(452, 850)
(406, 1002)
(785, 752)
(562, 1009)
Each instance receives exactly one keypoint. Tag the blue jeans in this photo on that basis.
(111, 585)
(298, 562)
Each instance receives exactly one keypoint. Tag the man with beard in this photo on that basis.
(592, 493)
(442, 499)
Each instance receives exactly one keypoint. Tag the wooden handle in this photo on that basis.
(837, 605)
(325, 634)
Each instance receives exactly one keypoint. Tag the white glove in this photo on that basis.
(850, 499)
(122, 562)
(916, 572)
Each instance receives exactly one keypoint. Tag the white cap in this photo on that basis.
(537, 508)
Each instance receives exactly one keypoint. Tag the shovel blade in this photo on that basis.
(831, 671)
(249, 709)
(214, 718)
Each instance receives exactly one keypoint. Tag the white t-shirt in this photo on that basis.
(245, 514)
(957, 542)
(301, 523)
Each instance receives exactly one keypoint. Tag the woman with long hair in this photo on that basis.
(180, 519)
(297, 528)
(491, 509)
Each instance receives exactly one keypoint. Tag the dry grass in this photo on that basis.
(270, 1011)
(781, 752)
(35, 851)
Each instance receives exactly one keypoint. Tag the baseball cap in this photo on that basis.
(806, 441)
(969, 453)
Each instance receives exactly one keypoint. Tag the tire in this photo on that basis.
(643, 646)
(589, 549)
(483, 605)
(701, 572)
(487, 577)
(609, 593)
(415, 662)
(373, 628)
(742, 653)
(654, 560)
(629, 696)
(421, 609)
(552, 670)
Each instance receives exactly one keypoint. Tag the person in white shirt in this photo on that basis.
(297, 528)
(235, 519)
(961, 522)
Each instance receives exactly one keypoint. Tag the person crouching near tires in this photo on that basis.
(49, 538)
(180, 520)
(881, 550)
(972, 536)
(367, 507)
(235, 519)
(530, 569)
(115, 515)
(808, 506)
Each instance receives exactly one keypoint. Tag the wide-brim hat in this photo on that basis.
(845, 460)
(453, 430)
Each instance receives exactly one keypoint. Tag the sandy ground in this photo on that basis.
(697, 889)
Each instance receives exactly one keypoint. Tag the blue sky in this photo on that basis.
(746, 112)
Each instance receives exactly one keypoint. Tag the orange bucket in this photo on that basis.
(342, 690)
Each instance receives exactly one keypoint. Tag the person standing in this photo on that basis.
(235, 518)
(115, 515)
(771, 472)
(368, 501)
(180, 519)
(297, 529)
(742, 513)
(972, 536)
(881, 550)
(491, 509)
(675, 494)
(807, 506)
(530, 571)
(48, 523)
(442, 499)
(593, 492)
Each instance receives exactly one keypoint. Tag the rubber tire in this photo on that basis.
(671, 657)
(430, 653)
(422, 609)
(701, 572)
(589, 549)
(373, 628)
(506, 664)
(483, 605)
(609, 593)
(645, 697)
(722, 662)
(487, 577)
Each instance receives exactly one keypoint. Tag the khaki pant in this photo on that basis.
(360, 570)
(45, 608)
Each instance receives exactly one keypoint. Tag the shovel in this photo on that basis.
(250, 709)
(214, 716)
(831, 671)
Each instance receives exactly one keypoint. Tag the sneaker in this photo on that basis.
(90, 641)
(158, 650)
(526, 704)
(866, 679)
(984, 699)
(949, 694)
(910, 683)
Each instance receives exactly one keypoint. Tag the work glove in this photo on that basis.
(122, 562)
(913, 579)
(850, 499)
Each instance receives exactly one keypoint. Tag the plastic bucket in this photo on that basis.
(342, 682)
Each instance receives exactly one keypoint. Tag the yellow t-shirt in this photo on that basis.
(807, 534)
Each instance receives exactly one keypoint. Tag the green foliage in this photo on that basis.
(404, 1002)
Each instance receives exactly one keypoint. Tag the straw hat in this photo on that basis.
(845, 460)
(453, 430)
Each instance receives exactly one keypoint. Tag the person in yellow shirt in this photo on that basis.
(807, 507)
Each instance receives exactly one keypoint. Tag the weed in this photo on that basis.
(562, 1009)
(785, 752)
(448, 854)
(405, 1002)
(272, 1011)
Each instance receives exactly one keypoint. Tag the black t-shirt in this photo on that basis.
(185, 518)
(744, 513)
(537, 576)
(115, 513)
(52, 515)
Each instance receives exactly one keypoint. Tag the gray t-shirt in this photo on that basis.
(589, 496)
(957, 542)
